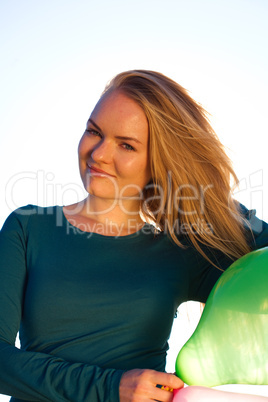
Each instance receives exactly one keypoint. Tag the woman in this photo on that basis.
(94, 286)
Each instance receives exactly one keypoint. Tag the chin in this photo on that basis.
(99, 187)
(100, 192)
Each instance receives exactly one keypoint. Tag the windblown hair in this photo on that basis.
(190, 191)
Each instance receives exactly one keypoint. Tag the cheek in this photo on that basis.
(84, 148)
(137, 169)
(81, 146)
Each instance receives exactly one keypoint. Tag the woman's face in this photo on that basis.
(113, 151)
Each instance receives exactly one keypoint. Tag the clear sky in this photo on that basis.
(57, 55)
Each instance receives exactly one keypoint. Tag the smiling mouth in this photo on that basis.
(98, 172)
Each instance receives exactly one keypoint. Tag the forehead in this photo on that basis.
(118, 102)
(117, 108)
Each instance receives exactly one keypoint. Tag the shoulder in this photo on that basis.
(23, 216)
(18, 217)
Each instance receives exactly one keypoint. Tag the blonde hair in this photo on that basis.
(191, 172)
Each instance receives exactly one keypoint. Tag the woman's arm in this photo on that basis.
(30, 375)
(35, 376)
(203, 275)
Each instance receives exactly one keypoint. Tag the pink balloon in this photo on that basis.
(203, 394)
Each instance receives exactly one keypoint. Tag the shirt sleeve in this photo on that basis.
(203, 275)
(30, 375)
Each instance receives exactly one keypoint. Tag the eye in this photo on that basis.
(128, 147)
(93, 132)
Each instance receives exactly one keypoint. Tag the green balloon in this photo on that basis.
(230, 343)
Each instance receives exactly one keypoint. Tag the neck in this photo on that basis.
(119, 216)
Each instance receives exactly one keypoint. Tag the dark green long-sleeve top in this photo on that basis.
(87, 306)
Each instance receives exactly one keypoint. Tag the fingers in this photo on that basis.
(167, 380)
(161, 395)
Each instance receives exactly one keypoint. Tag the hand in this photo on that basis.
(140, 386)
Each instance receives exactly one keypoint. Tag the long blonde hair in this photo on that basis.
(190, 192)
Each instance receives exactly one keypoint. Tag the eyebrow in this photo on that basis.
(94, 124)
(121, 137)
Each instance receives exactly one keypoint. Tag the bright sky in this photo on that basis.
(57, 55)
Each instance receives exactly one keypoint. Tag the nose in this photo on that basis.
(102, 151)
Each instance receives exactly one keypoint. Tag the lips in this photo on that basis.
(98, 172)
